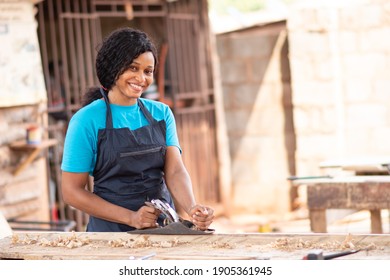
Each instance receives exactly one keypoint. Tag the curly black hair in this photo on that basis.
(115, 56)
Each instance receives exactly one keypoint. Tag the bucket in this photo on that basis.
(34, 134)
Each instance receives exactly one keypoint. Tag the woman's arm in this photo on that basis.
(75, 194)
(180, 186)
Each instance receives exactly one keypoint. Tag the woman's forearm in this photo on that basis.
(75, 194)
(95, 206)
(180, 187)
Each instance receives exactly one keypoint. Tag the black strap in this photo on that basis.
(109, 123)
(146, 112)
(108, 111)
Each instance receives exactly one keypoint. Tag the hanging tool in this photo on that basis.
(293, 178)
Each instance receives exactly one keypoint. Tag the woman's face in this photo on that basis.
(134, 81)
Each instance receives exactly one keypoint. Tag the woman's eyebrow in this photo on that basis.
(149, 66)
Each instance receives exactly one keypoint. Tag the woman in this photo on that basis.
(128, 144)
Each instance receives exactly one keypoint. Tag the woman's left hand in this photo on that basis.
(202, 216)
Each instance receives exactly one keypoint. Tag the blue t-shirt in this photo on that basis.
(80, 145)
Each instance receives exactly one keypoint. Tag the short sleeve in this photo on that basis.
(171, 134)
(79, 147)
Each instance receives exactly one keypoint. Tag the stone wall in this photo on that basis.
(21, 78)
(340, 68)
(22, 102)
(257, 102)
(26, 194)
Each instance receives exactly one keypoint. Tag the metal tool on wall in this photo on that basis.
(293, 178)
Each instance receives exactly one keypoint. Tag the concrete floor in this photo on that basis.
(339, 221)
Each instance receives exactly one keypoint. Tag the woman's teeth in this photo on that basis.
(137, 87)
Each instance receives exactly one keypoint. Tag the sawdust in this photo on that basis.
(289, 244)
(61, 241)
(222, 245)
(282, 244)
(145, 242)
(73, 241)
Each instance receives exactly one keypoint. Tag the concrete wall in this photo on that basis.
(257, 102)
(340, 68)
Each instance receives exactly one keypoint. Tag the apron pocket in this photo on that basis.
(141, 153)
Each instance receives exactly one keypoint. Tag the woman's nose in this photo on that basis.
(140, 76)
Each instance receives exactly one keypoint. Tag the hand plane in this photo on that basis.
(170, 214)
(173, 223)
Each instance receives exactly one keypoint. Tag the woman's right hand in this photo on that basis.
(145, 217)
(202, 216)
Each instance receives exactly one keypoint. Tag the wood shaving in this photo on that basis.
(290, 244)
(145, 242)
(222, 245)
(62, 241)
(27, 240)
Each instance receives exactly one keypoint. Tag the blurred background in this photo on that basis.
(261, 91)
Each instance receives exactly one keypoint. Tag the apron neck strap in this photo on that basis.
(108, 111)
(146, 112)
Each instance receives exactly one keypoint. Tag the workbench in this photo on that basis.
(346, 192)
(216, 246)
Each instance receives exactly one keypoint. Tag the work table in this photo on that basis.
(243, 246)
(346, 192)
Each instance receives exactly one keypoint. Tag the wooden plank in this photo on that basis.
(104, 246)
(22, 145)
(317, 220)
(18, 192)
(363, 195)
(326, 195)
(20, 209)
(362, 164)
(376, 221)
(6, 176)
(43, 213)
(26, 197)
(224, 159)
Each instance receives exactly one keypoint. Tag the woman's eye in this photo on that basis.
(133, 68)
(149, 72)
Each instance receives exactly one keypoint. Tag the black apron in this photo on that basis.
(129, 167)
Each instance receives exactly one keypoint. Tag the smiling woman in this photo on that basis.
(132, 83)
(127, 143)
(127, 56)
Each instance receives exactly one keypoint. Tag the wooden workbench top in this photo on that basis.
(105, 246)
